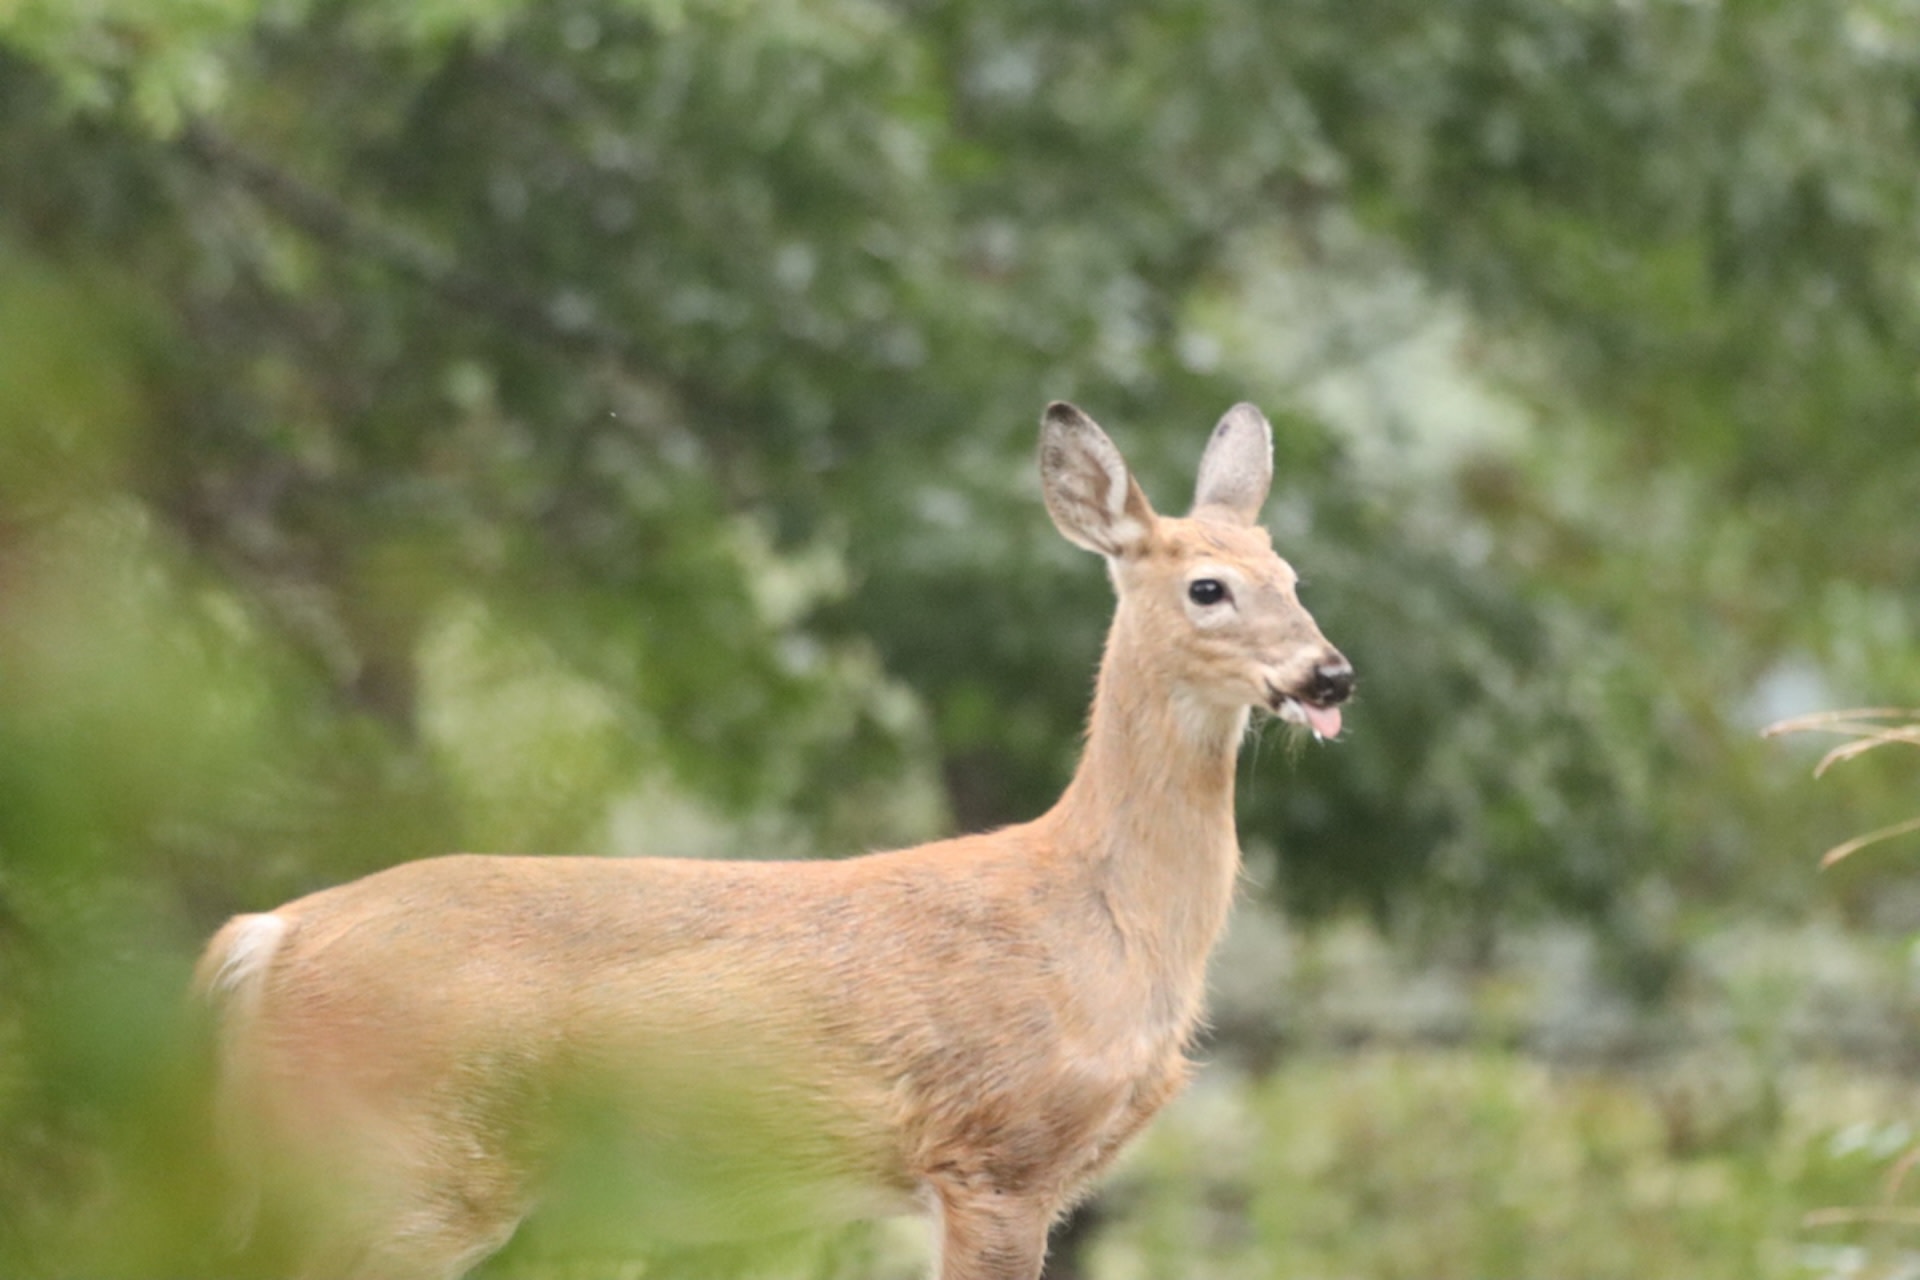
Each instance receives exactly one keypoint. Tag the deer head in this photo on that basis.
(1221, 610)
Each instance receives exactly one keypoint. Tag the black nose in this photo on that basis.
(1332, 682)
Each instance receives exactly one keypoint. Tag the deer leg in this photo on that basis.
(428, 1229)
(414, 1247)
(990, 1235)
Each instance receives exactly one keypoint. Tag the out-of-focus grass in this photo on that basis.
(1405, 1163)
(1865, 729)
(1435, 1164)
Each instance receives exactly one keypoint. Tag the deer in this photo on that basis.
(968, 1030)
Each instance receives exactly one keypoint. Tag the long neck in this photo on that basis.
(1150, 810)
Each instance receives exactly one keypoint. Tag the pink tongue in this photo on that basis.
(1324, 721)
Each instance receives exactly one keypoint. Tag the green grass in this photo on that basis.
(1432, 1165)
(1424, 1164)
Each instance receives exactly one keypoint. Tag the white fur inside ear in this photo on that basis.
(1116, 469)
(1088, 489)
(1125, 531)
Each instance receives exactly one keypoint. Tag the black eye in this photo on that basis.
(1206, 591)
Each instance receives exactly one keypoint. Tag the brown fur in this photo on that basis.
(974, 1026)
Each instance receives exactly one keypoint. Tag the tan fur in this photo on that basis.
(974, 1026)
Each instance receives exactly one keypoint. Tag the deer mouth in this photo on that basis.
(1322, 718)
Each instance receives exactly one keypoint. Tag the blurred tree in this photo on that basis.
(607, 424)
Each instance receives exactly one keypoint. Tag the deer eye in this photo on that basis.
(1205, 591)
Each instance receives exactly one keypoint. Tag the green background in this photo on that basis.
(608, 427)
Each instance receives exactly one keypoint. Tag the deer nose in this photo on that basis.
(1332, 681)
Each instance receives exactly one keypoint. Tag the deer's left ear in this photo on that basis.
(1237, 469)
(1090, 494)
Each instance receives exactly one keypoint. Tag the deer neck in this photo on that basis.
(1149, 814)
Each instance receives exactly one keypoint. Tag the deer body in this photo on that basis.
(970, 1028)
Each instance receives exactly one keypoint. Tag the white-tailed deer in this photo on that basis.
(969, 1029)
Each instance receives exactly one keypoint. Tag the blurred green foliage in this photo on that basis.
(1463, 1166)
(606, 425)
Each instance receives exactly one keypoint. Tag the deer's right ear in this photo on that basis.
(1090, 494)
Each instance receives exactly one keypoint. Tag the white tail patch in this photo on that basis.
(230, 979)
(250, 947)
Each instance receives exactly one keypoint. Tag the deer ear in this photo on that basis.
(1237, 469)
(1090, 494)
